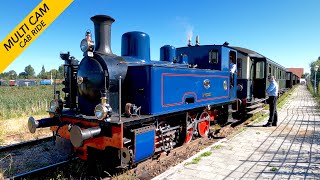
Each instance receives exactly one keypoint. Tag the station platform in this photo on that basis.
(289, 151)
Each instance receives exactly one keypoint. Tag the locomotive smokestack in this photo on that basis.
(102, 30)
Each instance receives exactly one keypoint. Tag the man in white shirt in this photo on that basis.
(233, 69)
(272, 92)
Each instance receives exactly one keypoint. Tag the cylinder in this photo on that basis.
(34, 124)
(78, 135)
(102, 31)
(167, 53)
(136, 44)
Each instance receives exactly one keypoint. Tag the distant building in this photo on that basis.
(296, 71)
(26, 82)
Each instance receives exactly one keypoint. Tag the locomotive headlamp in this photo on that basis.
(54, 105)
(103, 110)
(87, 44)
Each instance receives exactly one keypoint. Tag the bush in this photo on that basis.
(311, 88)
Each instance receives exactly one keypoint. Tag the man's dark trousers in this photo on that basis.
(273, 115)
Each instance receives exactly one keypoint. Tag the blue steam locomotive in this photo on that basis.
(129, 108)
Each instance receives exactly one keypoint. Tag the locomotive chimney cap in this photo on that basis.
(101, 18)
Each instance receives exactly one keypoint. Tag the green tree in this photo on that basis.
(305, 75)
(313, 70)
(42, 74)
(54, 73)
(4, 75)
(22, 75)
(29, 72)
(12, 74)
(61, 72)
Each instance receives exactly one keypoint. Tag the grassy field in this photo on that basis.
(18, 102)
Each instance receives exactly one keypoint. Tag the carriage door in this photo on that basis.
(259, 78)
(233, 61)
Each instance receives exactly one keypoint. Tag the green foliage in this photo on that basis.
(42, 74)
(197, 159)
(305, 75)
(22, 75)
(216, 147)
(24, 101)
(205, 154)
(312, 69)
(60, 72)
(29, 72)
(53, 73)
(8, 75)
(310, 88)
(274, 169)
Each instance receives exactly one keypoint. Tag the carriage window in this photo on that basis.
(274, 71)
(213, 56)
(269, 68)
(260, 70)
(280, 74)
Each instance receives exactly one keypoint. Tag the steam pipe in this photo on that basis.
(78, 135)
(102, 30)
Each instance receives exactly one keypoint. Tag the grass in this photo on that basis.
(197, 159)
(205, 154)
(273, 169)
(315, 95)
(18, 126)
(216, 147)
(24, 101)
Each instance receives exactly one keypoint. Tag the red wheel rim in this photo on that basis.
(203, 126)
(189, 132)
(189, 135)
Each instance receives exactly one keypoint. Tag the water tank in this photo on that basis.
(136, 44)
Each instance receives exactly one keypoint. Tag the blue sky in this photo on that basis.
(286, 31)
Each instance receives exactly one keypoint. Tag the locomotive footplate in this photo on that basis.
(131, 120)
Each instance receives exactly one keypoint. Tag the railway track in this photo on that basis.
(24, 144)
(40, 170)
(30, 157)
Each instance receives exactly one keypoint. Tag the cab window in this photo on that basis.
(213, 56)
